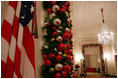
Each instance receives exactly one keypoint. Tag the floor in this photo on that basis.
(94, 75)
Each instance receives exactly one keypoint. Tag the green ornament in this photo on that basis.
(52, 39)
(58, 31)
(60, 27)
(64, 55)
(51, 70)
(67, 15)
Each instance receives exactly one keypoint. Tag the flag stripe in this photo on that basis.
(28, 44)
(4, 49)
(9, 70)
(10, 14)
(3, 69)
(13, 4)
(17, 62)
(26, 67)
(15, 27)
(5, 33)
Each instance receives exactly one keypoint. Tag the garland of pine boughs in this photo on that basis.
(101, 56)
(57, 48)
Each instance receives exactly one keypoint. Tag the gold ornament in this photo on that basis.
(52, 39)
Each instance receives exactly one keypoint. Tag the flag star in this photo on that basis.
(22, 17)
(25, 5)
(32, 9)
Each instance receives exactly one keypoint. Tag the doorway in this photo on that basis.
(93, 59)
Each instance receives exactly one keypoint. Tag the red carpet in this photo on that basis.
(91, 69)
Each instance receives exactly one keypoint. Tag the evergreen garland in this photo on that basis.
(57, 49)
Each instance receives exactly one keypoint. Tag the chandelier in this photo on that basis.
(105, 36)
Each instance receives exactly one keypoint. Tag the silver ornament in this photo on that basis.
(59, 38)
(45, 24)
(55, 8)
(67, 29)
(46, 46)
(55, 49)
(58, 67)
(68, 20)
(57, 21)
(52, 15)
(60, 53)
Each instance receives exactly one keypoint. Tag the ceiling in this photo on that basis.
(87, 19)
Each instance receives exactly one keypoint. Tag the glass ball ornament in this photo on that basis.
(57, 21)
(46, 47)
(55, 49)
(59, 38)
(52, 15)
(67, 29)
(51, 70)
(60, 27)
(45, 24)
(60, 53)
(58, 67)
(64, 55)
(67, 14)
(68, 20)
(55, 8)
(58, 31)
(52, 39)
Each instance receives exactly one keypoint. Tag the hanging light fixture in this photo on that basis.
(105, 36)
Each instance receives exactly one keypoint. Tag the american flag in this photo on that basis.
(17, 43)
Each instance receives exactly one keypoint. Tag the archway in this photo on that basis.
(101, 57)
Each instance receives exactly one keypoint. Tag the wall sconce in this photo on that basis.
(78, 57)
(107, 58)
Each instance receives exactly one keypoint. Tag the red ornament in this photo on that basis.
(53, 2)
(44, 56)
(72, 66)
(64, 73)
(73, 75)
(54, 33)
(70, 40)
(65, 35)
(68, 57)
(48, 24)
(65, 52)
(65, 67)
(68, 46)
(49, 11)
(69, 35)
(47, 62)
(54, 28)
(61, 47)
(63, 6)
(58, 75)
(62, 10)
(51, 56)
(59, 58)
(69, 69)
(69, 51)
